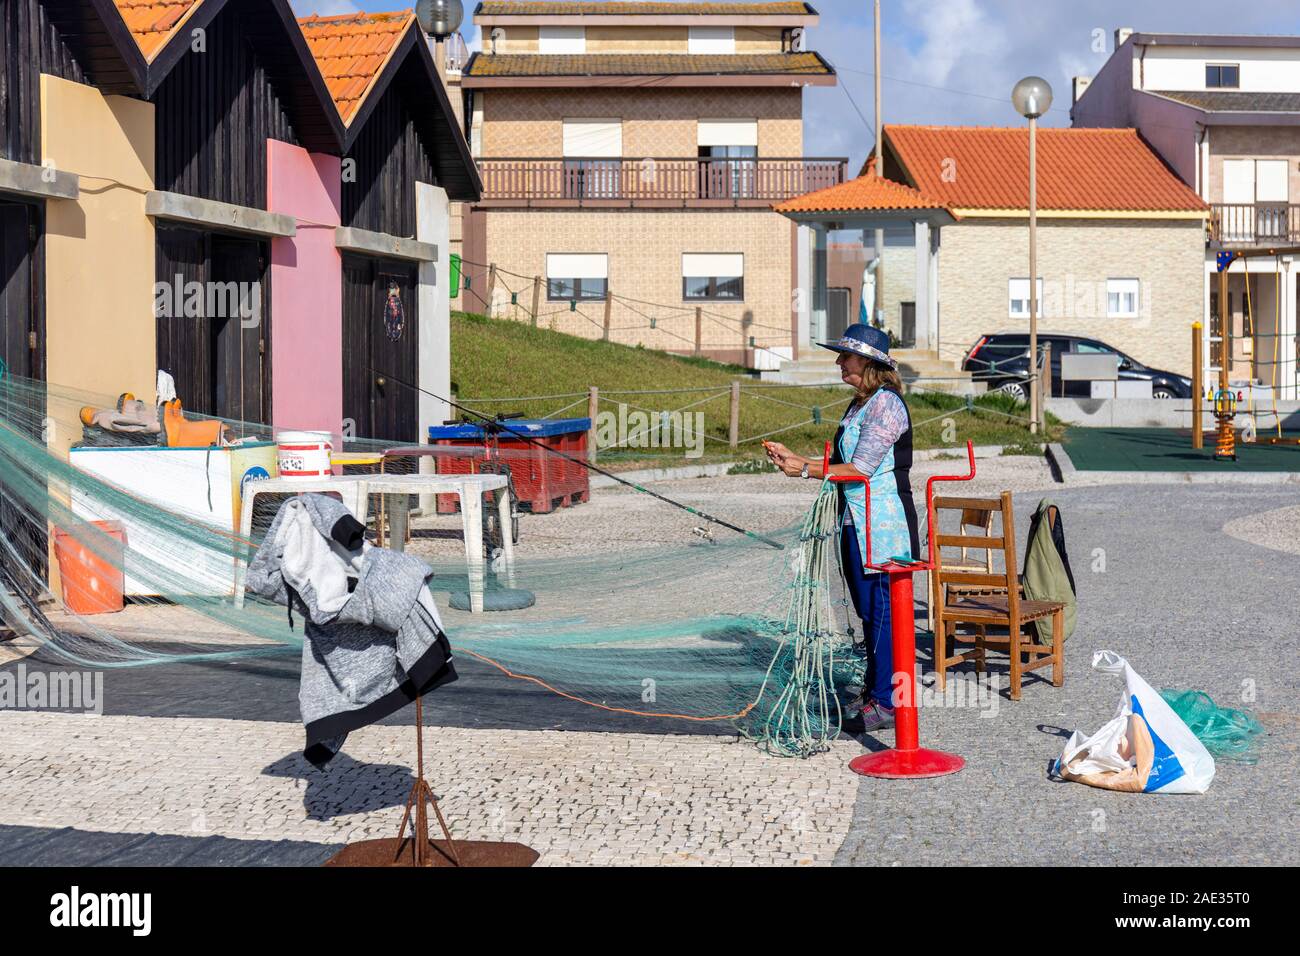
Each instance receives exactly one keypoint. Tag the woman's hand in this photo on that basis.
(777, 452)
(792, 465)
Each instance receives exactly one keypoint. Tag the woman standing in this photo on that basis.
(874, 441)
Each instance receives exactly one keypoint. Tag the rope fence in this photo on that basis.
(741, 415)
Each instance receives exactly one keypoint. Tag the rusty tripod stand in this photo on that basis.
(418, 850)
(420, 793)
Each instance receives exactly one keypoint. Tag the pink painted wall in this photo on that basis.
(306, 291)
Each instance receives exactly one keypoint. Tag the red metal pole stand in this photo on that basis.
(907, 758)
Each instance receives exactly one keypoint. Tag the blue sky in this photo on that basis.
(955, 61)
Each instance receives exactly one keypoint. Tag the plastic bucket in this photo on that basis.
(304, 455)
(91, 568)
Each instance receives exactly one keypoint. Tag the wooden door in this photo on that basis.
(381, 348)
(20, 345)
(24, 555)
(239, 331)
(214, 323)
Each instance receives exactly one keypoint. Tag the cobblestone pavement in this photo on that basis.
(1191, 583)
(577, 798)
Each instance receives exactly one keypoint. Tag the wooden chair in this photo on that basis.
(978, 518)
(985, 599)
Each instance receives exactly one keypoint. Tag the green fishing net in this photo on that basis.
(711, 627)
(1226, 732)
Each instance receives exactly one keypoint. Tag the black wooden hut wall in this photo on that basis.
(31, 43)
(214, 112)
(393, 152)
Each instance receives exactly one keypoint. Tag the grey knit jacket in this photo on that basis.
(373, 637)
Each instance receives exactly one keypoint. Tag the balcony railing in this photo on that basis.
(1254, 224)
(656, 181)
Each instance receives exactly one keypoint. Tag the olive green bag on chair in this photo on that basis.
(1046, 575)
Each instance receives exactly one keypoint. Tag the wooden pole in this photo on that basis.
(1198, 435)
(537, 297)
(699, 329)
(593, 408)
(492, 287)
(1046, 391)
(733, 428)
(609, 311)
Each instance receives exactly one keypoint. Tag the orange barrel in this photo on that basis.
(93, 577)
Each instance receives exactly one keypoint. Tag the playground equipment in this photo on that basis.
(907, 758)
(1225, 441)
(1225, 410)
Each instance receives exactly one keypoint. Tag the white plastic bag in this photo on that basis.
(1145, 748)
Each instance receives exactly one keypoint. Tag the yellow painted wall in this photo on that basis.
(99, 248)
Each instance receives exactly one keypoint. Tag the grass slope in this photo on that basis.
(494, 358)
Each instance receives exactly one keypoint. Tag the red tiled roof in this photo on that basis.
(152, 22)
(865, 194)
(975, 167)
(351, 51)
(541, 8)
(646, 64)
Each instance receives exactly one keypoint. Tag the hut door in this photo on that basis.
(20, 350)
(238, 330)
(381, 348)
(19, 336)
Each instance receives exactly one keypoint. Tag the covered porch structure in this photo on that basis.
(835, 243)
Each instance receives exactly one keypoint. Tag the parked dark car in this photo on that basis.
(1002, 360)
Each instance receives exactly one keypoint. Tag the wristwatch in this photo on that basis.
(803, 472)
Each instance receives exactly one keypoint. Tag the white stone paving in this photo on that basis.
(577, 798)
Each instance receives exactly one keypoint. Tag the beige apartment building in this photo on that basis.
(1223, 111)
(631, 153)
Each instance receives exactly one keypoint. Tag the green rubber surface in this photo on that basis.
(1169, 449)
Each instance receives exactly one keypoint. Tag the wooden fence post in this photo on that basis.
(1045, 383)
(609, 305)
(699, 329)
(733, 429)
(492, 286)
(1198, 388)
(593, 409)
(537, 297)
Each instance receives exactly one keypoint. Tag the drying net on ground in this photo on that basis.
(1228, 733)
(641, 608)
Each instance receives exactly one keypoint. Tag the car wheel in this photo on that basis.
(1016, 390)
(1162, 392)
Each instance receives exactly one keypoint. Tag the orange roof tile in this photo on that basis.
(532, 8)
(975, 167)
(351, 51)
(152, 22)
(864, 194)
(646, 64)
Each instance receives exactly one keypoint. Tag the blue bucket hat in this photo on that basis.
(861, 339)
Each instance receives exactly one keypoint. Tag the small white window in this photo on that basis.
(1122, 297)
(562, 40)
(728, 132)
(1018, 294)
(712, 40)
(713, 276)
(577, 275)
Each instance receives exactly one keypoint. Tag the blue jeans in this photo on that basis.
(870, 593)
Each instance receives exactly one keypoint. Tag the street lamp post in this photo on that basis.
(439, 19)
(1032, 97)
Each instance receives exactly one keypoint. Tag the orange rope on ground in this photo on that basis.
(591, 703)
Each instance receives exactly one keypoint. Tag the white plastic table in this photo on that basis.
(355, 490)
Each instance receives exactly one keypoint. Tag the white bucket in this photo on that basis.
(304, 455)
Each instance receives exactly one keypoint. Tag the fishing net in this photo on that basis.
(1226, 732)
(673, 616)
